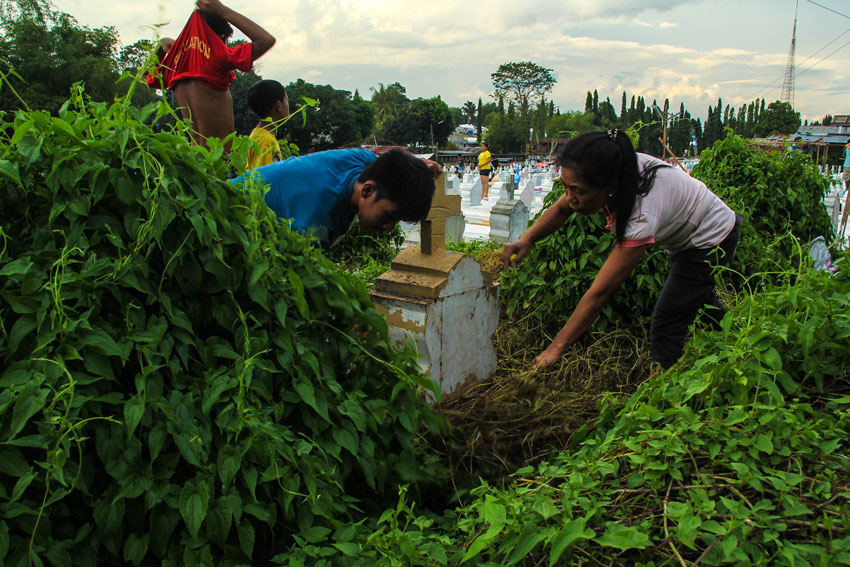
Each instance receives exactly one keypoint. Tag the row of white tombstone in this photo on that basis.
(508, 217)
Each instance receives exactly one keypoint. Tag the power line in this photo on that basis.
(829, 9)
(826, 57)
(780, 77)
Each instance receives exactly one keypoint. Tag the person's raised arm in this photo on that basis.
(613, 273)
(261, 40)
(551, 220)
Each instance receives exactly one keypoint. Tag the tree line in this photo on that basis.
(46, 51)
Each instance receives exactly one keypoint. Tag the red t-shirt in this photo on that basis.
(198, 53)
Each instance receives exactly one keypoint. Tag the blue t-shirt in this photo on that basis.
(314, 190)
(847, 156)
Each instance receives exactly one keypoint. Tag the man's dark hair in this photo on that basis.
(405, 180)
(220, 27)
(263, 95)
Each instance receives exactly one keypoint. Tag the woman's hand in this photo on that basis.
(547, 357)
(515, 252)
(614, 272)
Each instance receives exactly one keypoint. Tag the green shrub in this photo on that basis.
(365, 254)
(779, 193)
(736, 456)
(183, 381)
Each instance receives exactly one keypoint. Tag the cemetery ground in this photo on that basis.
(183, 381)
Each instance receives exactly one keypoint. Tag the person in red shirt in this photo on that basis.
(198, 66)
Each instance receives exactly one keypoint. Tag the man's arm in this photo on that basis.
(436, 168)
(261, 40)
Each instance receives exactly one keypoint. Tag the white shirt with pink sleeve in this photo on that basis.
(679, 212)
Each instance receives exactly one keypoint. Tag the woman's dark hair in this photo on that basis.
(220, 27)
(607, 161)
(405, 180)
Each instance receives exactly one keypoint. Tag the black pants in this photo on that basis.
(689, 288)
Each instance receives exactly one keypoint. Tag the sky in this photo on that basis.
(691, 51)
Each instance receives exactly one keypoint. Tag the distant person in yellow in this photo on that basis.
(484, 171)
(268, 100)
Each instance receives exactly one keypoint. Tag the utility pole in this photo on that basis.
(666, 118)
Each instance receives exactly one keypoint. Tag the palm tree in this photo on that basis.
(469, 111)
(388, 100)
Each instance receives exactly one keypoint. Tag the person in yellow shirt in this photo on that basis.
(268, 100)
(484, 171)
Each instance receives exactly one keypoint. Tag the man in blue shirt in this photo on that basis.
(321, 193)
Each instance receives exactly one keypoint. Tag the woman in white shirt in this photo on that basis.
(646, 202)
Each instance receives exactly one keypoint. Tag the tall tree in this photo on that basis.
(480, 124)
(51, 52)
(506, 135)
(387, 101)
(523, 83)
(623, 109)
(469, 111)
(339, 119)
(779, 118)
(418, 121)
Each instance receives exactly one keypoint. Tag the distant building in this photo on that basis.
(824, 143)
(466, 136)
(835, 133)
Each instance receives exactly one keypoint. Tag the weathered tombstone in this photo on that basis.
(475, 193)
(527, 195)
(508, 220)
(508, 190)
(497, 188)
(442, 301)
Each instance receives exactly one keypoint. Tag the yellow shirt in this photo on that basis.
(269, 150)
(483, 158)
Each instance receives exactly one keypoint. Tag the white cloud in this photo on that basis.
(706, 50)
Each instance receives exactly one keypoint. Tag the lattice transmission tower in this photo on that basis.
(788, 83)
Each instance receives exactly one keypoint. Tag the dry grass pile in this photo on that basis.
(520, 417)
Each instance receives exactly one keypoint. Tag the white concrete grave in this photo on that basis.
(475, 193)
(455, 225)
(443, 302)
(527, 195)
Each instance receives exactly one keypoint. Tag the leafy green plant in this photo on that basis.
(183, 381)
(779, 193)
(736, 456)
(367, 254)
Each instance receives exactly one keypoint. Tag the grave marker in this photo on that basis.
(442, 301)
